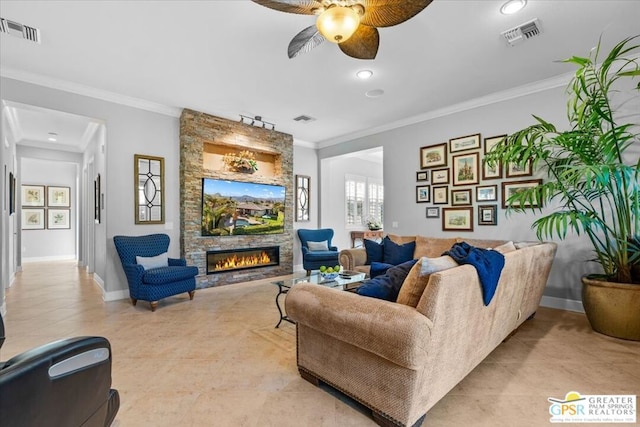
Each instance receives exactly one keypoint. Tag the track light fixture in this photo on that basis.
(257, 121)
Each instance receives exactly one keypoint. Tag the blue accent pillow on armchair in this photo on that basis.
(375, 251)
(397, 254)
(387, 286)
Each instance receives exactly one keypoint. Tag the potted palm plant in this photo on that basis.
(592, 182)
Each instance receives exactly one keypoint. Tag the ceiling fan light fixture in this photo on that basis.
(338, 23)
(512, 6)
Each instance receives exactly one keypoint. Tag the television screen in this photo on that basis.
(235, 208)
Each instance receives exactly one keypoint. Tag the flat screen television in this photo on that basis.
(231, 208)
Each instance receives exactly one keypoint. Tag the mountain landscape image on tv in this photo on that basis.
(231, 208)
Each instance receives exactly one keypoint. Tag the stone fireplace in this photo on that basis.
(204, 142)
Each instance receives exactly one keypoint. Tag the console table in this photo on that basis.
(368, 234)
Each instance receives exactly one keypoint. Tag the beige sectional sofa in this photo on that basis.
(399, 358)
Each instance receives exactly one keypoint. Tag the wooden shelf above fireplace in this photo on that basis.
(269, 163)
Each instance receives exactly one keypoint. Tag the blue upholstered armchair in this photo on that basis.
(315, 252)
(151, 274)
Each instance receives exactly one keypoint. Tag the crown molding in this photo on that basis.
(306, 144)
(79, 89)
(505, 95)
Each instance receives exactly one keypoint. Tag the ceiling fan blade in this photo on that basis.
(302, 7)
(386, 13)
(304, 41)
(363, 44)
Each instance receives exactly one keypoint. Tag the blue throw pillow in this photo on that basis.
(397, 254)
(388, 285)
(378, 269)
(375, 251)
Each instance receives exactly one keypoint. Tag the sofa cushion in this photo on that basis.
(417, 279)
(387, 285)
(432, 247)
(482, 243)
(163, 275)
(505, 248)
(318, 246)
(401, 240)
(397, 254)
(375, 251)
(378, 269)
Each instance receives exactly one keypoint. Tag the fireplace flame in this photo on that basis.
(235, 261)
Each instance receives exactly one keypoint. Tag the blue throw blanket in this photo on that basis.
(487, 263)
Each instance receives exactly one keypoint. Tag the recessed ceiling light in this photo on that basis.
(512, 6)
(375, 93)
(53, 136)
(364, 74)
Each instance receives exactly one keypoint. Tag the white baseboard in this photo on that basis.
(298, 268)
(49, 258)
(3, 309)
(110, 296)
(115, 295)
(562, 304)
(98, 280)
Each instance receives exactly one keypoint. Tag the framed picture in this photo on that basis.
(433, 156)
(486, 193)
(33, 218)
(433, 212)
(423, 193)
(461, 197)
(487, 215)
(422, 176)
(441, 195)
(495, 171)
(465, 169)
(58, 197)
(464, 143)
(512, 188)
(12, 193)
(33, 195)
(514, 170)
(58, 218)
(96, 199)
(440, 176)
(457, 219)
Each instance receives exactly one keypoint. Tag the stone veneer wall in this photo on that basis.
(197, 129)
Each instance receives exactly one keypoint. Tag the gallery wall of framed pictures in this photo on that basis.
(45, 207)
(463, 185)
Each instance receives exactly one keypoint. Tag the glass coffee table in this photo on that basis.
(347, 281)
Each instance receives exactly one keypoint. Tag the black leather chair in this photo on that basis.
(63, 383)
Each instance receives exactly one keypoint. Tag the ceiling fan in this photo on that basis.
(352, 24)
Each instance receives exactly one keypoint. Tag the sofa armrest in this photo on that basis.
(351, 258)
(393, 331)
(178, 262)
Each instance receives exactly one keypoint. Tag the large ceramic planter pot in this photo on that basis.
(612, 308)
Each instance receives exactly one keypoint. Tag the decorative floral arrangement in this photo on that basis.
(374, 224)
(244, 161)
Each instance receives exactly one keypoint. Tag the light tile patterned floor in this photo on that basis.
(218, 361)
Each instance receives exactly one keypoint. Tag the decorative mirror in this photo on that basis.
(302, 197)
(149, 189)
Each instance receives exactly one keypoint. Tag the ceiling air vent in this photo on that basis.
(304, 119)
(19, 30)
(522, 32)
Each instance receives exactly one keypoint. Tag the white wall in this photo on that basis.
(50, 244)
(401, 161)
(305, 162)
(333, 207)
(8, 223)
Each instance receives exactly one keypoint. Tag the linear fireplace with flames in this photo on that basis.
(226, 260)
